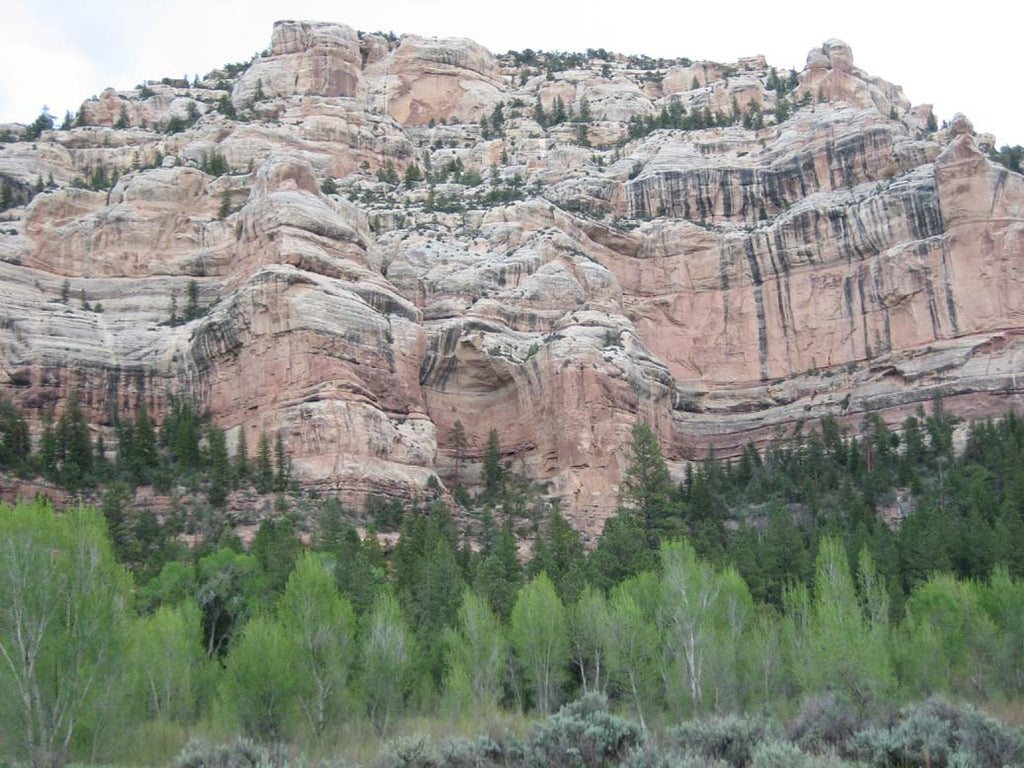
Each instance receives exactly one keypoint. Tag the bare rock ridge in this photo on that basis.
(722, 250)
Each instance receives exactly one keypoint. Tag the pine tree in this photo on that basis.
(558, 113)
(242, 467)
(784, 556)
(48, 446)
(146, 458)
(585, 115)
(74, 448)
(117, 500)
(219, 466)
(622, 551)
(276, 546)
(101, 465)
(192, 309)
(500, 575)
(15, 443)
(264, 479)
(282, 466)
(539, 115)
(647, 486)
(173, 311)
(180, 434)
(494, 473)
(559, 553)
(458, 440)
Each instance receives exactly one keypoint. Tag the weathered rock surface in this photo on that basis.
(556, 282)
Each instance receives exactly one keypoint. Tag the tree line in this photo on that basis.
(751, 584)
(293, 652)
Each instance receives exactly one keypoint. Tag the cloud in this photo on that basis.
(41, 68)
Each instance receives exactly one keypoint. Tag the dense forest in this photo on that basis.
(767, 584)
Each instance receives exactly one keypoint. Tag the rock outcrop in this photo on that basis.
(722, 250)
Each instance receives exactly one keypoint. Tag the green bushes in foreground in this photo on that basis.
(681, 648)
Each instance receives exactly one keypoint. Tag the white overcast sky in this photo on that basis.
(961, 58)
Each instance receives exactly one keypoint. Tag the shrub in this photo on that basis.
(824, 721)
(777, 754)
(652, 758)
(414, 752)
(241, 753)
(584, 733)
(731, 738)
(940, 734)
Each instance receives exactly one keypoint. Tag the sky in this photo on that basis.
(60, 52)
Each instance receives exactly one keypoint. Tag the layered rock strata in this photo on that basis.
(557, 282)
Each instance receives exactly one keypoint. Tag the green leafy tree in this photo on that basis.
(841, 645)
(387, 656)
(1003, 600)
(540, 638)
(226, 586)
(475, 658)
(691, 601)
(632, 647)
(174, 585)
(165, 662)
(320, 625)
(948, 642)
(258, 687)
(63, 619)
(589, 629)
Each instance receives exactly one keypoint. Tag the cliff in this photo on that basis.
(722, 250)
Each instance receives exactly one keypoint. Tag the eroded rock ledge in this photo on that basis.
(561, 282)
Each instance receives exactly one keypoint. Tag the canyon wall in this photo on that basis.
(558, 280)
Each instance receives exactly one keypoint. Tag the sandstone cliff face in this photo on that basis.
(721, 283)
